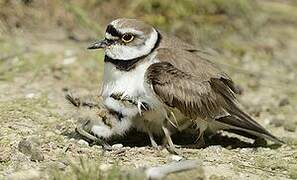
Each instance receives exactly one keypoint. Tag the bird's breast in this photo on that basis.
(128, 93)
(125, 90)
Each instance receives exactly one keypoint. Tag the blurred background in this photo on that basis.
(43, 55)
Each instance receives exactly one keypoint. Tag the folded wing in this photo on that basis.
(200, 90)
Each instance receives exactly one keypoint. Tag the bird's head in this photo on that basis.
(127, 39)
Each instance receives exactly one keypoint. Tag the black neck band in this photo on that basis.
(126, 65)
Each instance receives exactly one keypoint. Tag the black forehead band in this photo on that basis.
(112, 31)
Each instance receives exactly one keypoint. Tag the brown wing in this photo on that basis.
(191, 95)
(199, 89)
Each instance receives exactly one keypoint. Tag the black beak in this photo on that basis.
(100, 44)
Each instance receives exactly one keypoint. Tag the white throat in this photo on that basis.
(126, 52)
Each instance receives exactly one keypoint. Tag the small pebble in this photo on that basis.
(25, 146)
(253, 83)
(217, 177)
(276, 122)
(37, 155)
(71, 140)
(142, 149)
(164, 151)
(291, 127)
(97, 147)
(60, 165)
(117, 146)
(84, 150)
(283, 102)
(83, 142)
(216, 148)
(30, 95)
(176, 158)
(4, 156)
(69, 60)
(246, 150)
(29, 148)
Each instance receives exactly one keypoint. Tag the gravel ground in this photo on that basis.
(37, 131)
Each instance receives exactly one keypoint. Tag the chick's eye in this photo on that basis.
(127, 38)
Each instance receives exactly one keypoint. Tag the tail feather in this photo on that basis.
(237, 119)
(247, 127)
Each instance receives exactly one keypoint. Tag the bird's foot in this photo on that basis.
(172, 149)
(153, 142)
(80, 129)
(168, 142)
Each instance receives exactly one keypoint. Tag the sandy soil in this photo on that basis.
(37, 133)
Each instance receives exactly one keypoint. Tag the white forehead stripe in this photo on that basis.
(130, 30)
(124, 52)
(109, 36)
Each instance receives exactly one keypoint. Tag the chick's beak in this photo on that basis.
(100, 44)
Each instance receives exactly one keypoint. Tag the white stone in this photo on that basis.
(97, 147)
(117, 146)
(176, 158)
(30, 95)
(83, 142)
(69, 60)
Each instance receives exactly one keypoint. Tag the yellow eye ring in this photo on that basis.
(126, 38)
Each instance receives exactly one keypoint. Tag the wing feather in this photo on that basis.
(199, 90)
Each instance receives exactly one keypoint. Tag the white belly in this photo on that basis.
(132, 84)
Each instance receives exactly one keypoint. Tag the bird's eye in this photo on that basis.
(127, 38)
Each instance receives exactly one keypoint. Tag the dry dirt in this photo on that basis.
(37, 133)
